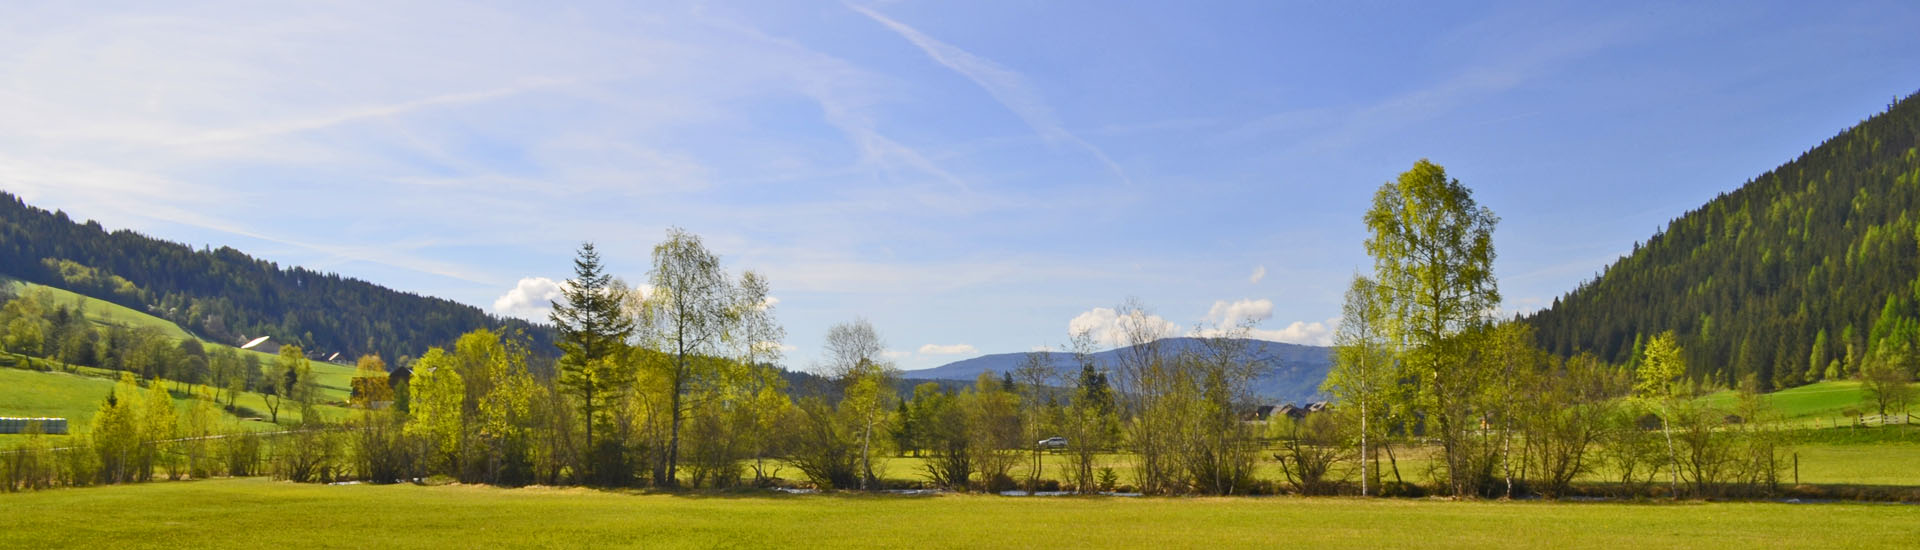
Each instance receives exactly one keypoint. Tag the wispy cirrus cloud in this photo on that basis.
(1010, 88)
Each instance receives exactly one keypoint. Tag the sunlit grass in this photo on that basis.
(267, 514)
(77, 397)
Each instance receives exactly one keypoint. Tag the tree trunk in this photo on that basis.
(673, 439)
(1673, 456)
(866, 453)
(1363, 447)
(1506, 460)
(1394, 462)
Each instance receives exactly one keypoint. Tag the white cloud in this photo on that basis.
(1247, 311)
(768, 347)
(955, 349)
(1109, 328)
(765, 304)
(531, 299)
(1300, 332)
(1259, 272)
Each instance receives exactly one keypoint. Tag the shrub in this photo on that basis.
(306, 455)
(240, 454)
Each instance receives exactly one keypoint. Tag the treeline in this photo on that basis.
(675, 386)
(1796, 277)
(223, 294)
(672, 384)
(1419, 357)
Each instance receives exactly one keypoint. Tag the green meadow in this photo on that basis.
(75, 393)
(267, 514)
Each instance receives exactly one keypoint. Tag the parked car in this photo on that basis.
(1053, 443)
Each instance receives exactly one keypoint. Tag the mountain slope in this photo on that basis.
(1294, 371)
(223, 294)
(1810, 263)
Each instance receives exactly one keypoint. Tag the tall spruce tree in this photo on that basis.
(593, 334)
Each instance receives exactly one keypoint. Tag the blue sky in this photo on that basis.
(972, 177)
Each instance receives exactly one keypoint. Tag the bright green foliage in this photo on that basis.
(435, 416)
(992, 414)
(1817, 361)
(201, 420)
(290, 380)
(1432, 247)
(766, 432)
(1662, 369)
(866, 405)
(116, 432)
(1091, 421)
(697, 317)
(1885, 382)
(1362, 375)
(474, 409)
(159, 424)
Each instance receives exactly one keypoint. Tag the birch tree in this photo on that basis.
(1362, 374)
(854, 352)
(1432, 247)
(1659, 382)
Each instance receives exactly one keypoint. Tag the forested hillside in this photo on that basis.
(223, 294)
(1801, 274)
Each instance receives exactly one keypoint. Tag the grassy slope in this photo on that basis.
(1822, 404)
(77, 396)
(261, 513)
(334, 378)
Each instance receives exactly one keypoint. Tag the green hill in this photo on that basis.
(1807, 266)
(224, 295)
(334, 377)
(42, 388)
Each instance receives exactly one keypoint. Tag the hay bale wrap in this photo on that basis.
(55, 426)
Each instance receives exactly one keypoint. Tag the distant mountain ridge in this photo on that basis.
(223, 294)
(1294, 371)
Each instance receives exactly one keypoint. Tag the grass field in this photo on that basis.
(267, 514)
(77, 397)
(1821, 404)
(1880, 462)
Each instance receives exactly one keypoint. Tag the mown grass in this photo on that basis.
(1888, 463)
(101, 312)
(1817, 405)
(267, 514)
(77, 397)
